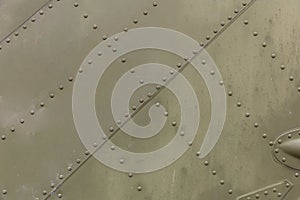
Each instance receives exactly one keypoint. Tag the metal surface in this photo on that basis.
(250, 49)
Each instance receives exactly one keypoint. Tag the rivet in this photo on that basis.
(201, 44)
(69, 168)
(111, 129)
(206, 163)
(4, 191)
(141, 100)
(114, 49)
(291, 78)
(132, 70)
(283, 159)
(32, 112)
(271, 143)
(52, 185)
(16, 34)
(164, 79)
(230, 93)
(222, 23)
(174, 123)
(22, 121)
(80, 70)
(139, 188)
(215, 31)
(116, 38)
(212, 72)
(24, 26)
(274, 190)
(85, 15)
(12, 129)
(122, 161)
(257, 196)
(166, 114)
(182, 133)
(255, 33)
(104, 37)
(44, 192)
(203, 62)
(41, 12)
(198, 153)
(112, 147)
(99, 53)
(236, 11)
(190, 143)
(282, 67)
(33, 19)
(3, 137)
(155, 3)
(123, 60)
(104, 137)
(264, 44)
(298, 89)
(273, 55)
(185, 58)
(50, 6)
(214, 172)
(276, 150)
(95, 26)
(247, 114)
(59, 195)
(78, 161)
(51, 95)
(264, 135)
(158, 87)
(42, 104)
(279, 194)
(287, 185)
(86, 153)
(149, 94)
(229, 17)
(266, 192)
(178, 65)
(108, 45)
(244, 3)
(76, 4)
(222, 182)
(230, 191)
(134, 107)
(135, 21)
(207, 37)
(61, 176)
(145, 12)
(70, 78)
(296, 174)
(95, 145)
(7, 40)
(279, 141)
(289, 136)
(239, 104)
(61, 87)
(125, 29)
(221, 82)
(255, 124)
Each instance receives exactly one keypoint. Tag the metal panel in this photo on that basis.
(252, 44)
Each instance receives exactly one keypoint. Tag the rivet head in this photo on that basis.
(145, 12)
(155, 3)
(78, 161)
(247, 114)
(222, 23)
(12, 129)
(230, 93)
(298, 89)
(41, 12)
(70, 78)
(264, 135)
(24, 26)
(61, 176)
(32, 112)
(239, 104)
(4, 191)
(44, 192)
(291, 78)
(236, 11)
(123, 60)
(271, 143)
(3, 137)
(255, 33)
(282, 67)
(50, 6)
(207, 37)
(230, 191)
(22, 121)
(257, 196)
(51, 95)
(61, 87)
(279, 194)
(42, 104)
(174, 123)
(215, 31)
(112, 147)
(69, 168)
(206, 163)
(76, 4)
(33, 19)
(59, 195)
(289, 136)
(52, 185)
(296, 174)
(283, 159)
(229, 17)
(256, 125)
(279, 141)
(122, 161)
(95, 26)
(135, 21)
(244, 3)
(246, 22)
(125, 29)
(7, 40)
(85, 15)
(222, 182)
(276, 150)
(214, 172)
(178, 65)
(274, 190)
(266, 192)
(273, 55)
(139, 188)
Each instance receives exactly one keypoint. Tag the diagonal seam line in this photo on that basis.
(20, 25)
(153, 96)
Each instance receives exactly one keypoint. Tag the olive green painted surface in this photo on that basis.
(50, 51)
